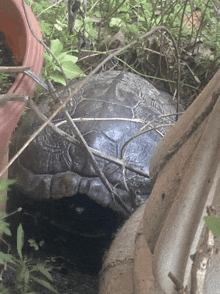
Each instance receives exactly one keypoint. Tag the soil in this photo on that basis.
(6, 59)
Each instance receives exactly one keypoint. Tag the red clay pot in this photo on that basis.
(26, 50)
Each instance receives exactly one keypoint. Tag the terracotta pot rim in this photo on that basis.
(31, 54)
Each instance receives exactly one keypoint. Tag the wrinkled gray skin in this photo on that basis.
(52, 167)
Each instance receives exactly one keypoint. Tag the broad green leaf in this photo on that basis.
(213, 223)
(45, 284)
(56, 46)
(20, 240)
(67, 57)
(58, 78)
(72, 70)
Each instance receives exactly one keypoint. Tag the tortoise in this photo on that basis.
(53, 168)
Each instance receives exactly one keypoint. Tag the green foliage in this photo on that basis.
(5, 183)
(104, 18)
(26, 271)
(5, 82)
(68, 63)
(213, 223)
(4, 186)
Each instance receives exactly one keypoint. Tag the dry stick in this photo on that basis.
(146, 35)
(142, 130)
(136, 120)
(4, 98)
(12, 69)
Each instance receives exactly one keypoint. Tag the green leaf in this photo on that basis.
(45, 271)
(72, 70)
(67, 57)
(5, 183)
(45, 284)
(20, 240)
(115, 22)
(41, 243)
(58, 78)
(213, 223)
(56, 46)
(33, 243)
(4, 228)
(5, 257)
(48, 57)
(4, 290)
(58, 27)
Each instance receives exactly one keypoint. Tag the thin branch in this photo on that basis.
(4, 98)
(10, 214)
(135, 120)
(14, 69)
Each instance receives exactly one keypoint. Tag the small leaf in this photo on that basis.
(5, 257)
(48, 57)
(213, 223)
(33, 243)
(41, 243)
(45, 284)
(4, 228)
(5, 183)
(56, 46)
(45, 271)
(20, 240)
(58, 27)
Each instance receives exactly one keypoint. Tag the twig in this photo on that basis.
(12, 69)
(17, 210)
(49, 8)
(4, 98)
(149, 124)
